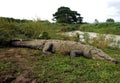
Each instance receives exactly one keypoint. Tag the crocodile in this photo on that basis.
(71, 48)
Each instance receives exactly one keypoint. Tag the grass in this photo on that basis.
(60, 68)
(105, 28)
(55, 68)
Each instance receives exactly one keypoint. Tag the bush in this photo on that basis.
(8, 32)
(44, 35)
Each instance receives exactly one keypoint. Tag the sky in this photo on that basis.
(44, 9)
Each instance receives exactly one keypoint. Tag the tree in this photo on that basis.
(66, 15)
(110, 20)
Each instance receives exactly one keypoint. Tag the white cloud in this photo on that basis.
(89, 9)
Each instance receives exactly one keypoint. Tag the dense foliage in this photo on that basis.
(110, 20)
(66, 15)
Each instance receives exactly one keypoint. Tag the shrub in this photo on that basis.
(44, 35)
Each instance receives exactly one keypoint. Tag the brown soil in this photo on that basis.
(19, 71)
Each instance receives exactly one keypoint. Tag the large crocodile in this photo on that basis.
(65, 47)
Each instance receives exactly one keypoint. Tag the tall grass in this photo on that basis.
(107, 28)
(31, 30)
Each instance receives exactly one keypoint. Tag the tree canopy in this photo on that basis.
(110, 20)
(66, 15)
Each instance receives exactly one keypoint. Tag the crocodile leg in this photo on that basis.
(48, 48)
(75, 53)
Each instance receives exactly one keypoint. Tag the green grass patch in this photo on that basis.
(60, 68)
(105, 28)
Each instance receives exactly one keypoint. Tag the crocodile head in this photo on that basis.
(99, 54)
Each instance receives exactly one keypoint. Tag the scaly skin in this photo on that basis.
(65, 47)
